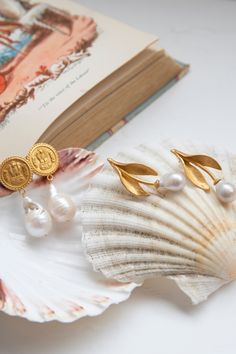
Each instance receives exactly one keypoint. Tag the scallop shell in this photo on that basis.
(188, 236)
(50, 279)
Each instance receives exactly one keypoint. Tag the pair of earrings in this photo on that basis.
(16, 173)
(192, 165)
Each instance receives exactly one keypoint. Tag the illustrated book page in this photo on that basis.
(52, 53)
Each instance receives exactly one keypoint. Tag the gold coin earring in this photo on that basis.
(16, 174)
(44, 161)
(194, 165)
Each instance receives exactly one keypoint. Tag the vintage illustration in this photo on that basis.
(37, 43)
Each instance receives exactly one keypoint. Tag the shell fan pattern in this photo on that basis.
(188, 236)
(50, 278)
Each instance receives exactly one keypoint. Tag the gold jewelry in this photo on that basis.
(194, 164)
(129, 174)
(15, 175)
(44, 161)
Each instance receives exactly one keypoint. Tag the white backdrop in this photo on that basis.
(158, 318)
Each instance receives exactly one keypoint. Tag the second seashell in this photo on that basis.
(188, 236)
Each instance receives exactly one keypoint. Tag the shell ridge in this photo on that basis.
(109, 203)
(200, 262)
(105, 222)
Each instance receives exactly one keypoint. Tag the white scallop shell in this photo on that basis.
(50, 278)
(188, 236)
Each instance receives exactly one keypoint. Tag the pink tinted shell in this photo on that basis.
(50, 278)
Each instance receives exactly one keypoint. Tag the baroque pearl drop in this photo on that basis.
(38, 221)
(173, 181)
(225, 191)
(61, 206)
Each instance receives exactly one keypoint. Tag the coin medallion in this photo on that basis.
(43, 159)
(15, 173)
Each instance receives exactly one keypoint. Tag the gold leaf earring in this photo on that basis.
(15, 175)
(193, 166)
(130, 175)
(44, 161)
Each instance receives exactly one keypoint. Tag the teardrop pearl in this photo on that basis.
(225, 191)
(61, 206)
(38, 221)
(173, 181)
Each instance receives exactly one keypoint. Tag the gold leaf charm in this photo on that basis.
(129, 173)
(192, 165)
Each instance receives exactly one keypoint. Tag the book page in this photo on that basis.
(51, 54)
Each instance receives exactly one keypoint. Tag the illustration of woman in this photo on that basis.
(22, 27)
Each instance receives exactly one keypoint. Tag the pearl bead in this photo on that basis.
(173, 181)
(61, 206)
(225, 191)
(38, 221)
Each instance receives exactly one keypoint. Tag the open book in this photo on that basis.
(69, 74)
